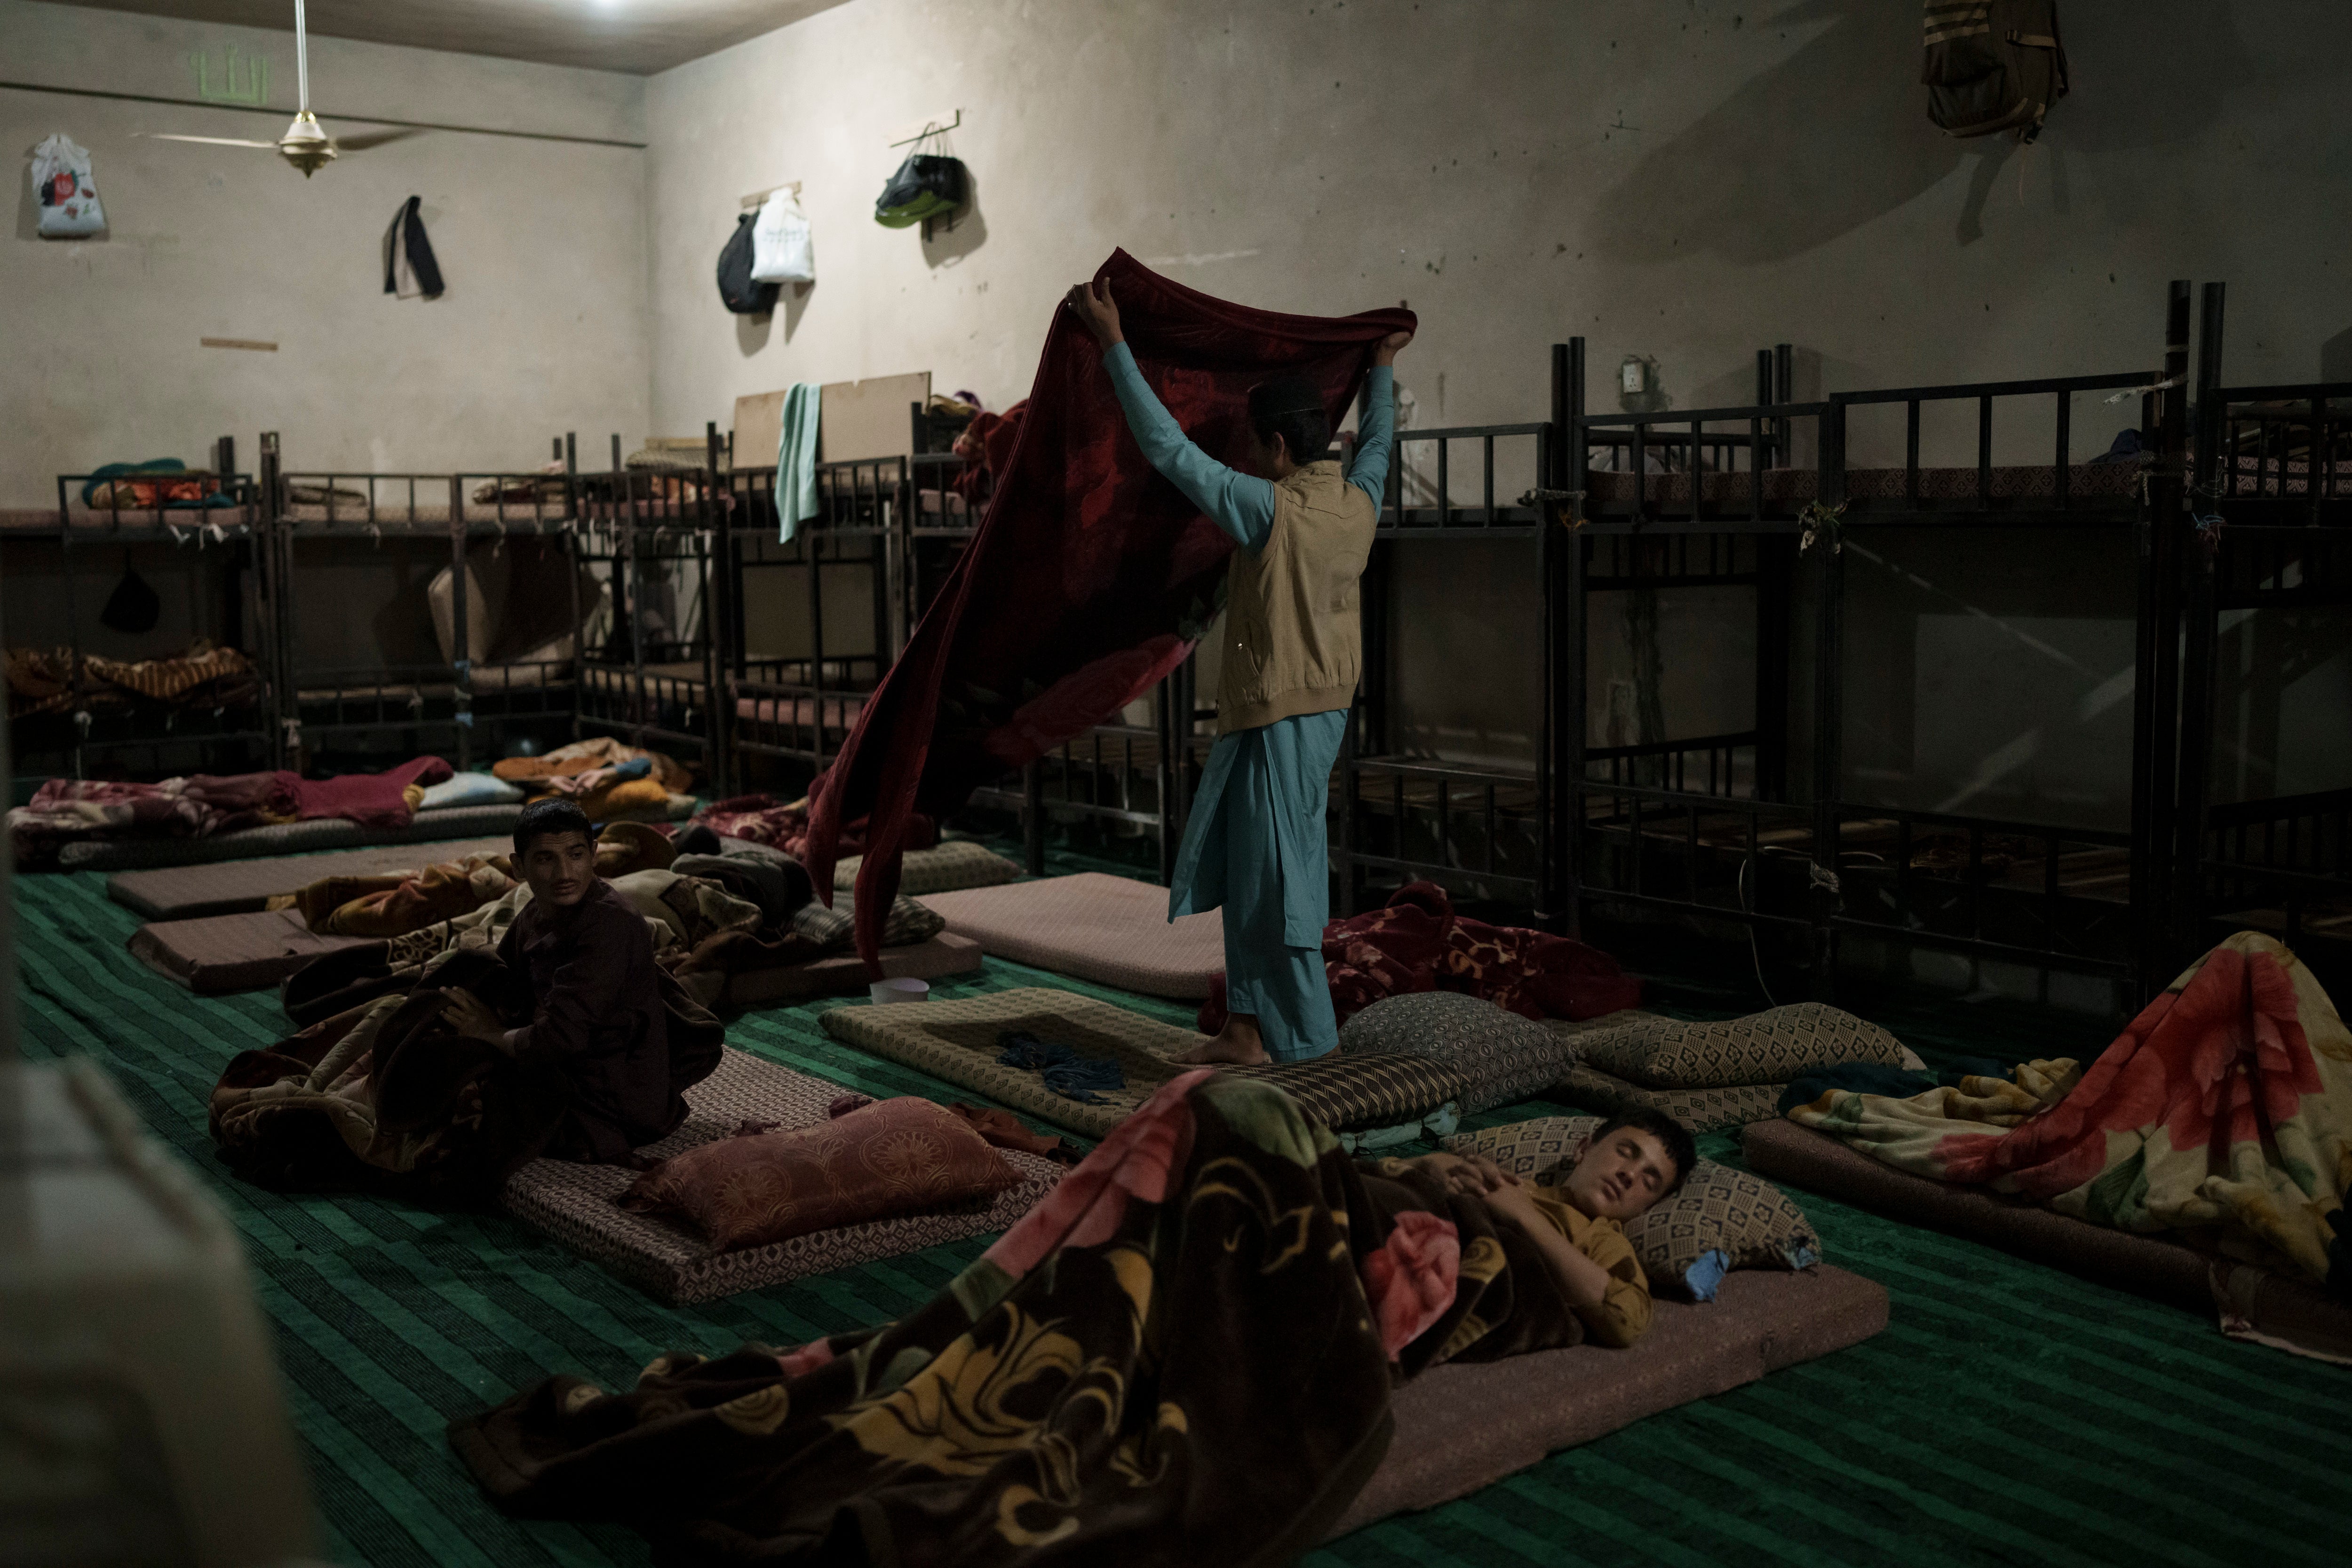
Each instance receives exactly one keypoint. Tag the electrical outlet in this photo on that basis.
(1633, 375)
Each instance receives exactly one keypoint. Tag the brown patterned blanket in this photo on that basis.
(1184, 1355)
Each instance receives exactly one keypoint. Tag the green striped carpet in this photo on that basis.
(2010, 1415)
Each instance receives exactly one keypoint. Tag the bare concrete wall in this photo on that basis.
(1682, 179)
(543, 246)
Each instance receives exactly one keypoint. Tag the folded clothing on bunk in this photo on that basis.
(49, 681)
(1416, 942)
(1062, 1070)
(587, 756)
(2224, 1111)
(1090, 576)
(202, 805)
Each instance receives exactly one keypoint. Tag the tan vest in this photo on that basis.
(1294, 641)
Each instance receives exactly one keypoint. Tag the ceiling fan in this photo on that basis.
(306, 143)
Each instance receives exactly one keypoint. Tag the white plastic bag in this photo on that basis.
(781, 251)
(69, 200)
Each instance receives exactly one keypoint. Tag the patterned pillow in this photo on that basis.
(1346, 1094)
(1772, 1047)
(891, 1157)
(909, 922)
(1718, 1220)
(946, 867)
(1500, 1054)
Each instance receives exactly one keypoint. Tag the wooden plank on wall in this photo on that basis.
(869, 418)
(759, 428)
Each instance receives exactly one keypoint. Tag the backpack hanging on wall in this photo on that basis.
(1992, 65)
(927, 185)
(744, 296)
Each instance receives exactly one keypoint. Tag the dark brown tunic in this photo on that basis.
(597, 1016)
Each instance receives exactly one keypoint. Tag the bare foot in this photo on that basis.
(1239, 1045)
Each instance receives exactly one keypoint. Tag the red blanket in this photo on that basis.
(764, 819)
(1089, 577)
(1418, 943)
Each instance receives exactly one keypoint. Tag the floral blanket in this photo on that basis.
(1416, 942)
(204, 804)
(1182, 1356)
(2222, 1112)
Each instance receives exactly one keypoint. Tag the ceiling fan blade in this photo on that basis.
(372, 138)
(207, 141)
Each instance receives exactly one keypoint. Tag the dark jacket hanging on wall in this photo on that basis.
(406, 251)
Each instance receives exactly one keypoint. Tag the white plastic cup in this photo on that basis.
(900, 991)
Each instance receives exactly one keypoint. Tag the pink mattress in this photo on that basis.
(1113, 930)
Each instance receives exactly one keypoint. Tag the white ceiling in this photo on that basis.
(637, 35)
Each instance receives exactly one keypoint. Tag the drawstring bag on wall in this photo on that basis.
(1992, 65)
(927, 185)
(782, 251)
(69, 200)
(743, 296)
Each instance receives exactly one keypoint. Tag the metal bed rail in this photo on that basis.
(2062, 504)
(1630, 825)
(1725, 486)
(2034, 894)
(1461, 803)
(1407, 515)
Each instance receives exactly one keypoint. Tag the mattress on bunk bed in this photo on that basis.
(2084, 481)
(961, 1040)
(129, 520)
(238, 887)
(1113, 930)
(393, 509)
(574, 1202)
(840, 711)
(1465, 1425)
(945, 868)
(218, 954)
(2273, 1307)
(284, 838)
(837, 975)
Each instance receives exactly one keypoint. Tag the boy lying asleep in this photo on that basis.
(1632, 1161)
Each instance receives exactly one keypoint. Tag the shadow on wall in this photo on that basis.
(1838, 134)
(964, 233)
(752, 332)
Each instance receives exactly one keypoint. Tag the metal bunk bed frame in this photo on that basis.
(227, 737)
(1369, 758)
(2253, 543)
(668, 695)
(1972, 914)
(440, 707)
(1607, 835)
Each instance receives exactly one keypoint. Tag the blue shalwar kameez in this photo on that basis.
(1255, 845)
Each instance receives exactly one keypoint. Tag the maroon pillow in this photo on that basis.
(894, 1157)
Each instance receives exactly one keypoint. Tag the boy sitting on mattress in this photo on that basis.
(599, 1010)
(1632, 1159)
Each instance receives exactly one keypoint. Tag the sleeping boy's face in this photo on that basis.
(561, 868)
(1621, 1175)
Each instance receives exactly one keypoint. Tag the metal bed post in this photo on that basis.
(461, 646)
(2154, 912)
(1772, 591)
(2201, 637)
(1829, 706)
(1570, 727)
(713, 547)
(1033, 816)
